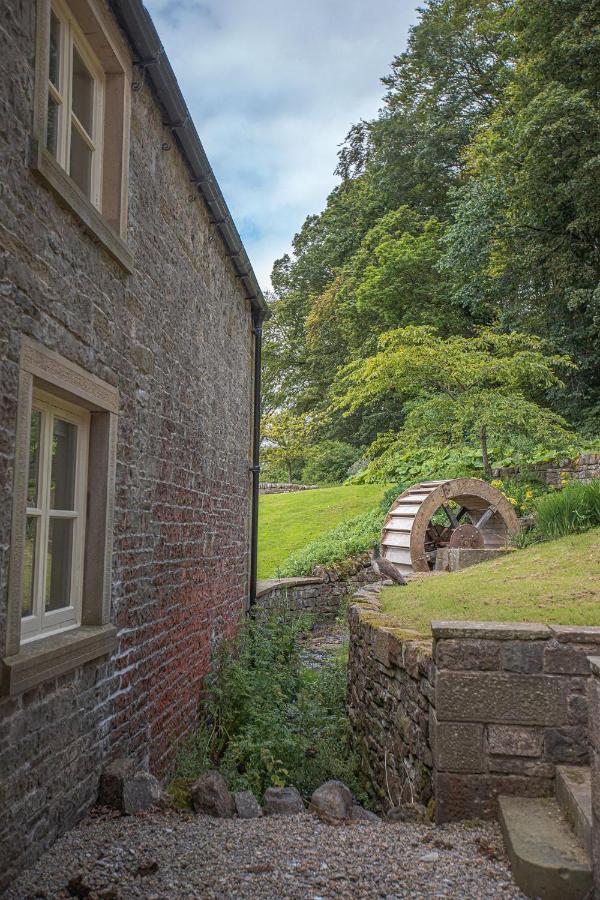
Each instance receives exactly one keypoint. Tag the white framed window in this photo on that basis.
(55, 516)
(74, 123)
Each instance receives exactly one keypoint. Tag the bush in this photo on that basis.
(269, 720)
(347, 539)
(573, 509)
(329, 462)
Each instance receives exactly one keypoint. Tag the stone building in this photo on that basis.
(129, 339)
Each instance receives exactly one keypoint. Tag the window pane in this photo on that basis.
(52, 126)
(58, 564)
(80, 168)
(83, 92)
(29, 565)
(54, 71)
(64, 454)
(34, 456)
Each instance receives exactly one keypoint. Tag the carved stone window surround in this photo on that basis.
(24, 665)
(106, 224)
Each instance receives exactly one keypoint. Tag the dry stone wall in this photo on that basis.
(271, 487)
(320, 594)
(583, 468)
(390, 701)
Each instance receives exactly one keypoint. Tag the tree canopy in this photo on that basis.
(463, 237)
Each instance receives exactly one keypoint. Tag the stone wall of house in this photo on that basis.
(271, 487)
(175, 336)
(510, 704)
(320, 594)
(583, 468)
(390, 703)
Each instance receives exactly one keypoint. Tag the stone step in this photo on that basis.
(546, 858)
(574, 794)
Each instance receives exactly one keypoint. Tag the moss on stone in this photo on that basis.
(179, 791)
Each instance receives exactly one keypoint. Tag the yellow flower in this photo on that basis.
(528, 495)
(512, 500)
(496, 483)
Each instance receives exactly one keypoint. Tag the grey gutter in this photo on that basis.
(151, 58)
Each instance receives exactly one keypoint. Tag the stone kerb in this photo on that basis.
(390, 694)
(510, 705)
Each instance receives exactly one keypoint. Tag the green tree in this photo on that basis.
(284, 438)
(461, 391)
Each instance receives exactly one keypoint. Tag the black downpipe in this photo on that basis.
(257, 323)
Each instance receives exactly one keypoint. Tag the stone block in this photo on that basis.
(518, 765)
(112, 780)
(579, 634)
(595, 778)
(453, 559)
(514, 740)
(568, 744)
(593, 697)
(458, 746)
(482, 655)
(523, 656)
(495, 631)
(567, 659)
(140, 793)
(578, 712)
(380, 645)
(499, 697)
(466, 796)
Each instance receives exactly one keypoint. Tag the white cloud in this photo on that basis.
(273, 87)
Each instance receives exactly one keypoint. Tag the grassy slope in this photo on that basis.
(288, 522)
(557, 582)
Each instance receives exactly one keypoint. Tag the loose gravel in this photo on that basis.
(173, 854)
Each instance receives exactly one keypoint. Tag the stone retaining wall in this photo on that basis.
(582, 468)
(390, 696)
(270, 487)
(319, 594)
(594, 735)
(510, 704)
(491, 708)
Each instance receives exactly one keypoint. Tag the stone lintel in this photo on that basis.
(497, 631)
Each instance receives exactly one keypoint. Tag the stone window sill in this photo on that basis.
(49, 657)
(44, 164)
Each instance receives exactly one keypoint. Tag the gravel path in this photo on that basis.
(159, 856)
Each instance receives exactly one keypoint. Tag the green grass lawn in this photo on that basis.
(556, 582)
(287, 522)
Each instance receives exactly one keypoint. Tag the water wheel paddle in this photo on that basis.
(459, 512)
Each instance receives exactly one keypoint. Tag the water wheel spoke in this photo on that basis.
(451, 515)
(485, 517)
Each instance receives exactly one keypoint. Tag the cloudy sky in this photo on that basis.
(273, 87)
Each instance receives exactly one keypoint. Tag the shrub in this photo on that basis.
(349, 538)
(575, 508)
(329, 462)
(522, 493)
(269, 720)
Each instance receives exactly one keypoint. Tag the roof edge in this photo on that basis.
(150, 57)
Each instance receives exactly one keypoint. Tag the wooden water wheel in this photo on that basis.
(461, 512)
